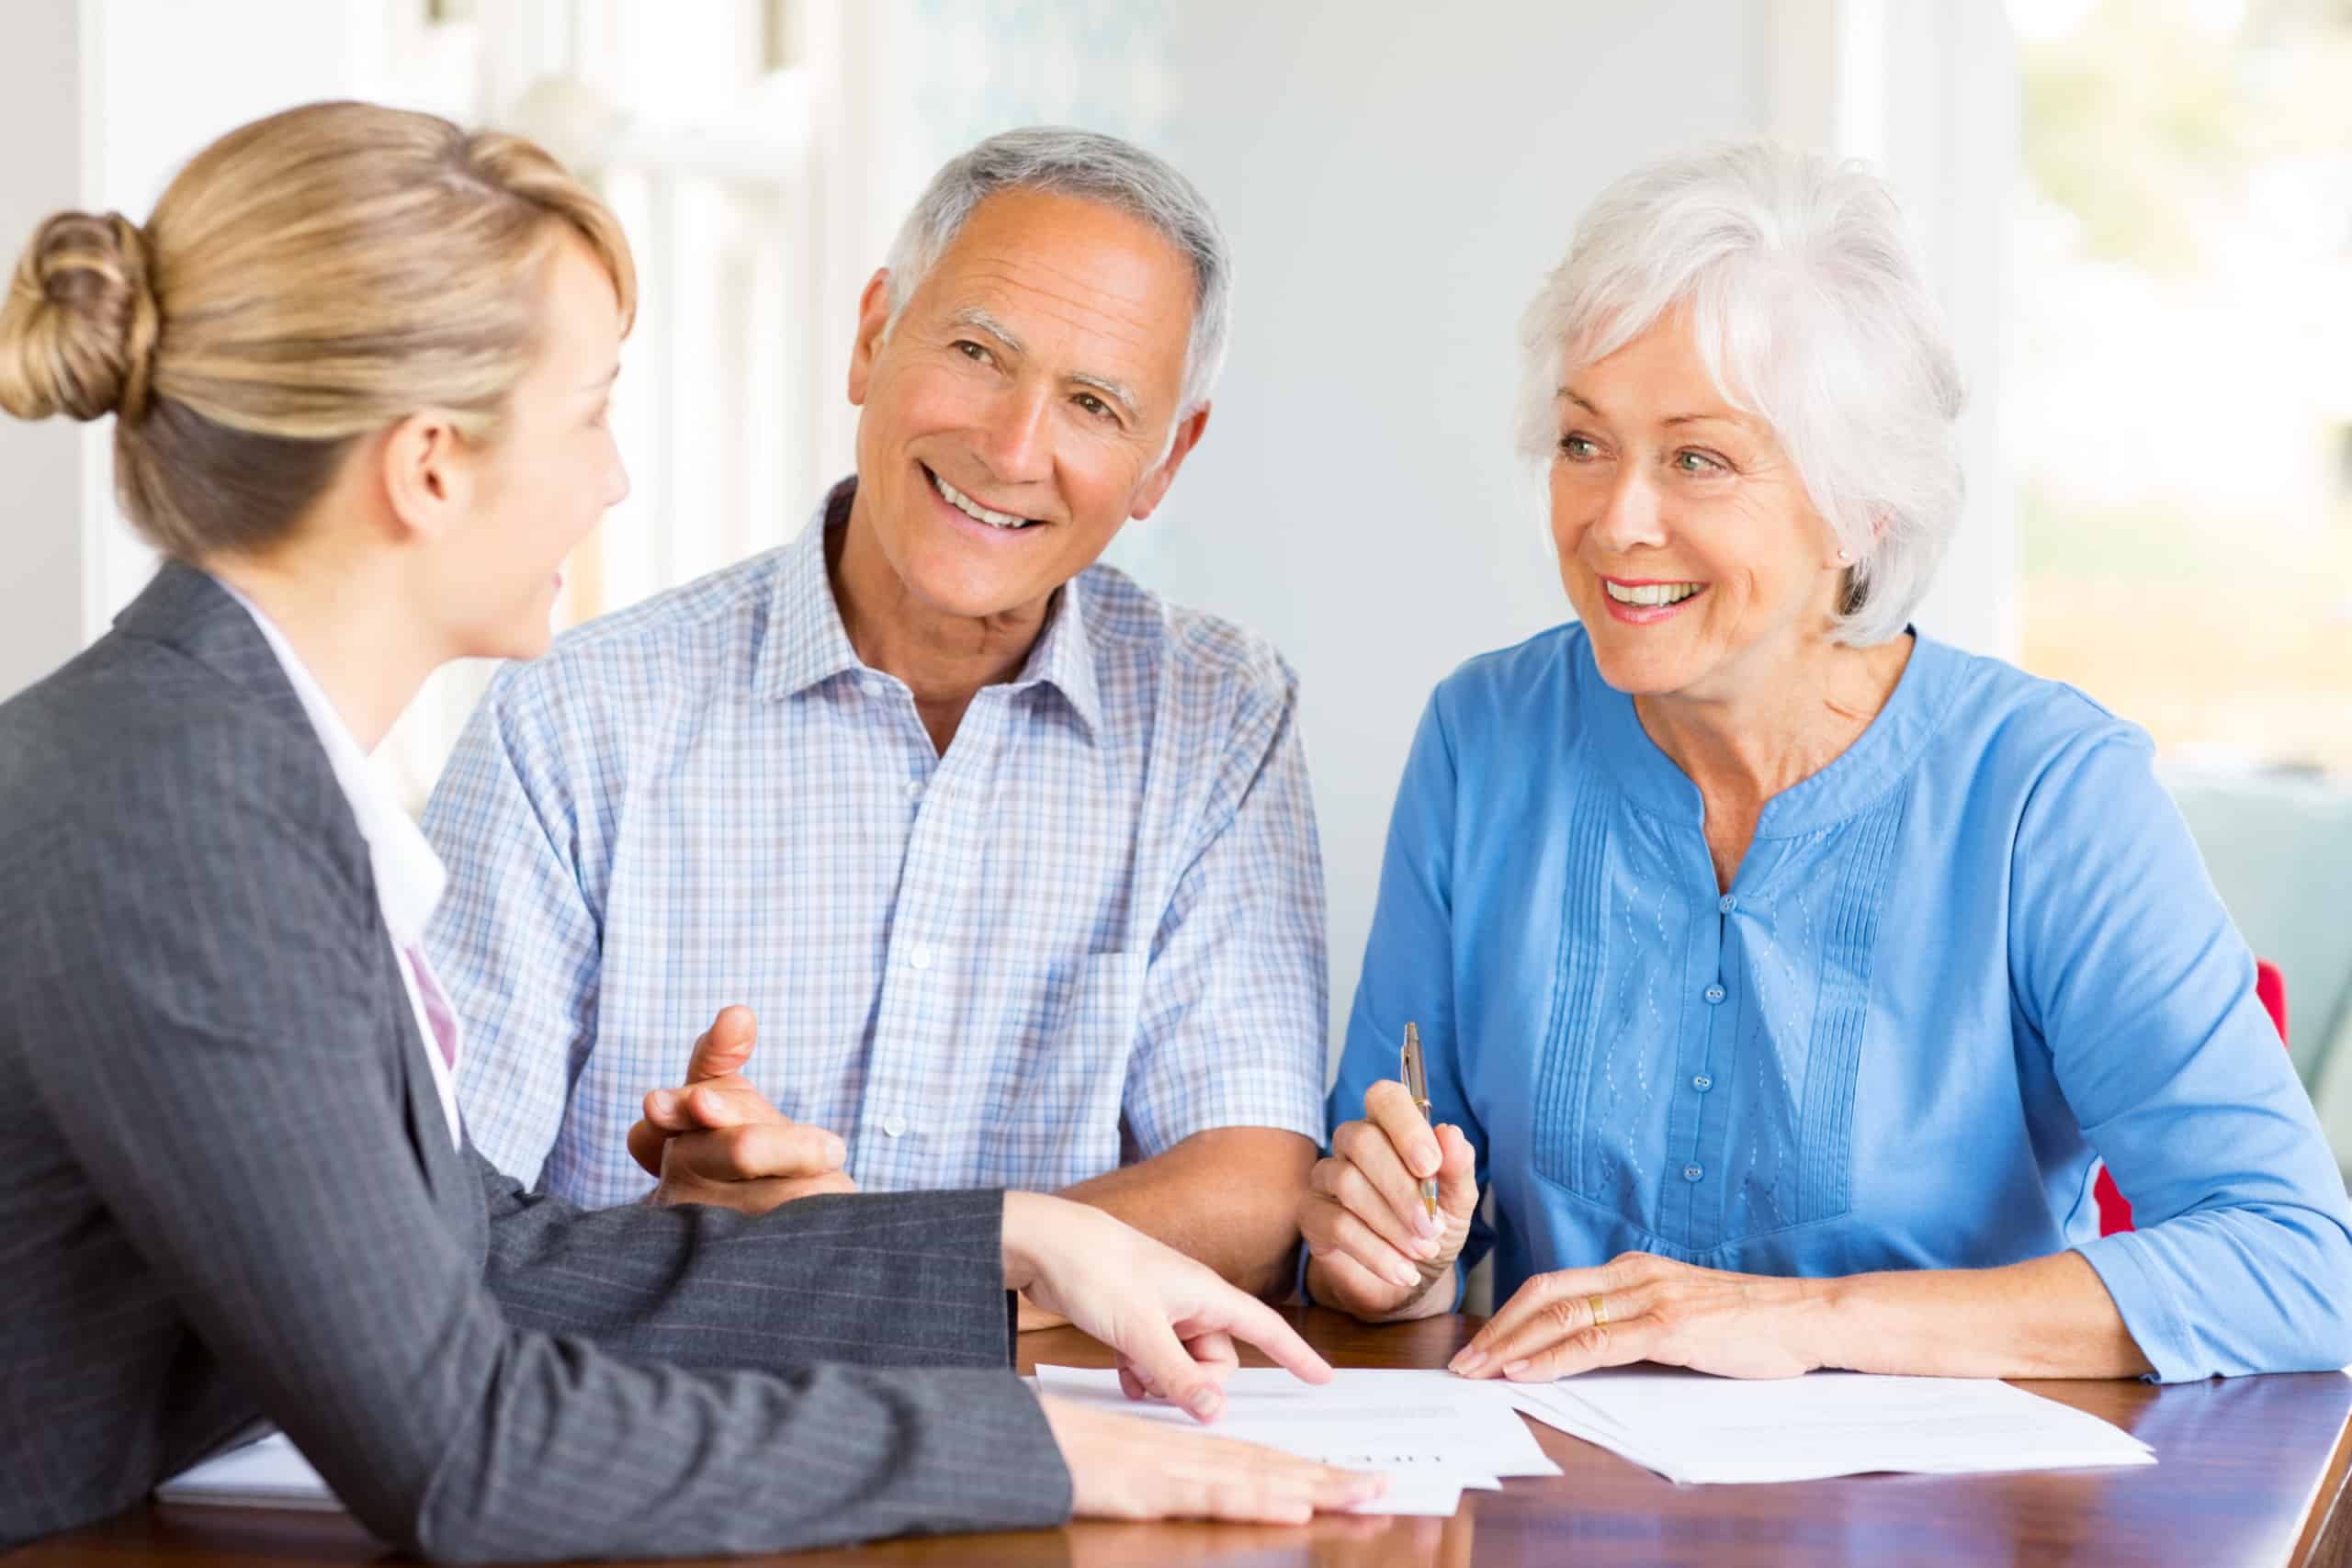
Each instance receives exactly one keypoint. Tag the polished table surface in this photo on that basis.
(2250, 1470)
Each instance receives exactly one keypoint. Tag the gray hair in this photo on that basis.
(1808, 306)
(1092, 167)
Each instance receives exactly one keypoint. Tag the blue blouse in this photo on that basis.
(1967, 959)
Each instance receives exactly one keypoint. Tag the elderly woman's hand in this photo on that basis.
(1639, 1308)
(1372, 1248)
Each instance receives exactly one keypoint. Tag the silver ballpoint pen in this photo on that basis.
(1417, 1084)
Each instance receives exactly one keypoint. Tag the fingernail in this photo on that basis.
(1205, 1403)
(1425, 1160)
(1404, 1274)
(664, 1102)
(1517, 1369)
(1470, 1361)
(1422, 1223)
(1426, 1245)
(835, 1151)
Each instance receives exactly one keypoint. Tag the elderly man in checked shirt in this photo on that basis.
(1013, 863)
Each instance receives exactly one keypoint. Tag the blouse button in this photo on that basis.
(1714, 994)
(1703, 1083)
(1727, 903)
(1692, 1173)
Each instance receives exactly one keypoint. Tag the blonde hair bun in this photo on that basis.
(77, 335)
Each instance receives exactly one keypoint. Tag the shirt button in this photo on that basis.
(1692, 1173)
(1727, 903)
(919, 958)
(914, 789)
(1703, 1083)
(894, 1125)
(1714, 994)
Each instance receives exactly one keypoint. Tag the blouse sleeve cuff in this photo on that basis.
(2144, 1297)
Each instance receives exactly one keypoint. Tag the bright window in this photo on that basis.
(2181, 417)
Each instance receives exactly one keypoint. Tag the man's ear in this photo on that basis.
(873, 322)
(1155, 487)
(428, 484)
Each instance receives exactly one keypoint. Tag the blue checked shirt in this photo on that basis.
(1090, 930)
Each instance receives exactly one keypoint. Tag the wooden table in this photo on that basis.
(2252, 1471)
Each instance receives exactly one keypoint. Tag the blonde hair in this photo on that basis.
(307, 279)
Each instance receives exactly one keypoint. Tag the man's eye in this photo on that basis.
(1095, 406)
(973, 350)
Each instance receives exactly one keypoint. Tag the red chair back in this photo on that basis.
(2114, 1208)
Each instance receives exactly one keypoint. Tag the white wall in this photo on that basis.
(42, 556)
(116, 94)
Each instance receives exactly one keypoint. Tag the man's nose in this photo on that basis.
(1016, 442)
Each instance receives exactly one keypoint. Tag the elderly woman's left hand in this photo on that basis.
(1639, 1308)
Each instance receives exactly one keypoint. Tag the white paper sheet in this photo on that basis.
(1434, 1435)
(271, 1474)
(1691, 1427)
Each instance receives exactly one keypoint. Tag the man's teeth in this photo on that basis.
(970, 508)
(1651, 594)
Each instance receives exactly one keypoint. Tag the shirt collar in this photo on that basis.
(409, 877)
(805, 644)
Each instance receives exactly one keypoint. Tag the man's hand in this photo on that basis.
(716, 1140)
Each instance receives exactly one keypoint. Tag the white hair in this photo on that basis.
(1807, 304)
(1094, 167)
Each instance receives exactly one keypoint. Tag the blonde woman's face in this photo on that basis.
(550, 477)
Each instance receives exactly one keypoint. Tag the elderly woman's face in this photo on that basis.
(1686, 543)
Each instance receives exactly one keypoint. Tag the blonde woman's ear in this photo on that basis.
(427, 482)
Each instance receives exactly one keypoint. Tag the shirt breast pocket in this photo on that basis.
(1064, 1040)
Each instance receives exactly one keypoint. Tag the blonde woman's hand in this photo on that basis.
(1122, 1468)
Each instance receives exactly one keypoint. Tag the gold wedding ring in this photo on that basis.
(1599, 1311)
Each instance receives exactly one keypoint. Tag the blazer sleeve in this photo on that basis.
(221, 1075)
(705, 1287)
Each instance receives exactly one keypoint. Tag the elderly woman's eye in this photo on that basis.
(1690, 462)
(1579, 448)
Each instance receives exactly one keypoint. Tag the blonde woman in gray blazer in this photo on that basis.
(359, 361)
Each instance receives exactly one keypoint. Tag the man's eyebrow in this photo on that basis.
(973, 316)
(1116, 391)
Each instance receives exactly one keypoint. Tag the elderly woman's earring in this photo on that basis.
(1845, 557)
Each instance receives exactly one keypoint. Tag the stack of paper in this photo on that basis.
(1691, 1427)
(1435, 1435)
(271, 1474)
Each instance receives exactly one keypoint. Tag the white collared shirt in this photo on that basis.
(409, 876)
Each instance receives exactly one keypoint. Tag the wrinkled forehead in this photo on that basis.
(1051, 262)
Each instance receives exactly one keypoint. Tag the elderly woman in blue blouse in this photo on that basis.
(1783, 969)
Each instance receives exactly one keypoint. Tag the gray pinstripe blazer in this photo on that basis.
(226, 1192)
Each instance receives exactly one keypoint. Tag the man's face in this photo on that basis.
(1016, 414)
